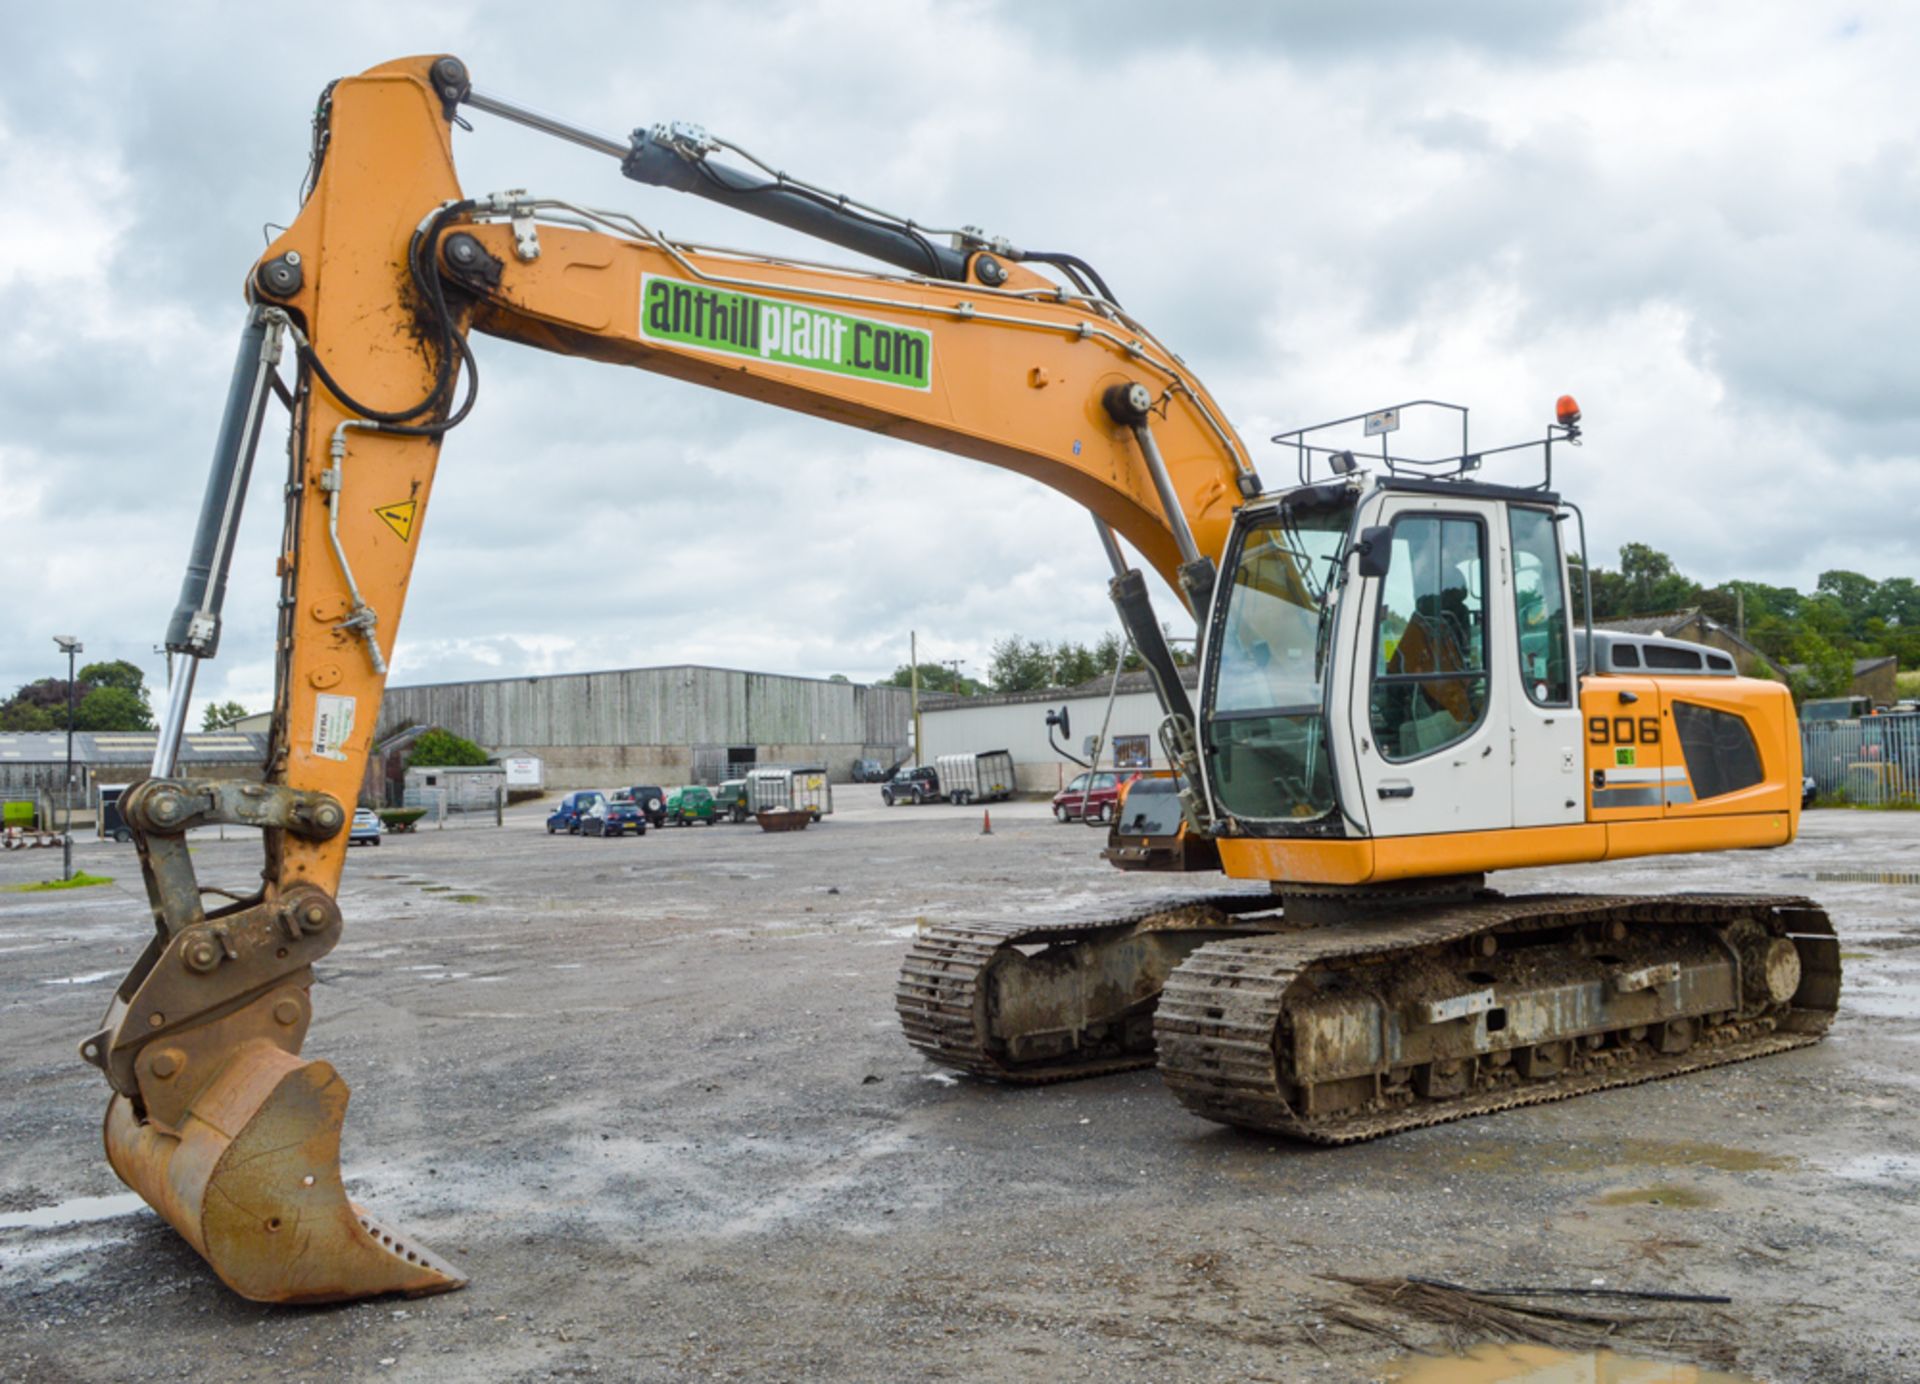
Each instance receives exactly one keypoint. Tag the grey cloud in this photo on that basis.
(1354, 32)
(1307, 201)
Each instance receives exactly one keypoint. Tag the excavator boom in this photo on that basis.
(1391, 702)
(216, 1120)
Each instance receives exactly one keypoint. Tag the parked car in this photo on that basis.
(690, 804)
(112, 824)
(365, 830)
(731, 802)
(653, 801)
(986, 777)
(573, 807)
(614, 817)
(1836, 708)
(869, 771)
(918, 783)
(1093, 795)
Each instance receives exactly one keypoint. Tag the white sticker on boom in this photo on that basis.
(332, 725)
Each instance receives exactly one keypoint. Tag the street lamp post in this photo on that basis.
(71, 647)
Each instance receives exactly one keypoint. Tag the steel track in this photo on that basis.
(942, 995)
(1221, 1026)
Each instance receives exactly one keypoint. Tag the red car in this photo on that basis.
(1097, 801)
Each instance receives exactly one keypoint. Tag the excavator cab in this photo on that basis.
(1391, 656)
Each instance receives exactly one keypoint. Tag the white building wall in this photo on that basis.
(1021, 728)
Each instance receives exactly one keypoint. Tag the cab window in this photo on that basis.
(1430, 640)
(1540, 607)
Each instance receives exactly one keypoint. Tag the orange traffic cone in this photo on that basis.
(986, 822)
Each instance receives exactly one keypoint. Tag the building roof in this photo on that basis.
(1654, 624)
(1137, 681)
(645, 668)
(1867, 665)
(129, 747)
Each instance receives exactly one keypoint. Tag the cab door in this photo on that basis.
(1431, 693)
(1549, 788)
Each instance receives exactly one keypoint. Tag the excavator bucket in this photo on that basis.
(251, 1177)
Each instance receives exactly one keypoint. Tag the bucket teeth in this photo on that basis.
(251, 1178)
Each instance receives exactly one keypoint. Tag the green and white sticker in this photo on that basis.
(784, 333)
(332, 725)
(1623, 756)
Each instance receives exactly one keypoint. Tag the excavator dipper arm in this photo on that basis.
(216, 1119)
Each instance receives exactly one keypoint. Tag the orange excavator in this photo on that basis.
(1396, 694)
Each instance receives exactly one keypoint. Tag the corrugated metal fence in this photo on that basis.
(1873, 761)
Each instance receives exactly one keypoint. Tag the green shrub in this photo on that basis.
(438, 748)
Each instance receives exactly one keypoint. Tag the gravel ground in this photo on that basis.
(651, 1095)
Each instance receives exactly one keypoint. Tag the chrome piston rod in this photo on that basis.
(194, 630)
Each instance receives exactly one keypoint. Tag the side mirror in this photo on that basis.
(1059, 718)
(1376, 550)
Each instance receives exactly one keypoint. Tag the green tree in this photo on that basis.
(1653, 585)
(934, 677)
(220, 715)
(107, 696)
(436, 748)
(1107, 651)
(1853, 593)
(1821, 670)
(1897, 601)
(117, 673)
(1020, 665)
(112, 708)
(24, 715)
(1074, 664)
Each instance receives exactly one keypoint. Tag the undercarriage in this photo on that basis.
(1364, 1022)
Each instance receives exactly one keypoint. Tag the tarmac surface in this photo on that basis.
(650, 1093)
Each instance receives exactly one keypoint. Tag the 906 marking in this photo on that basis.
(1623, 730)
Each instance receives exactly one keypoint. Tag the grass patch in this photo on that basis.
(436, 888)
(469, 898)
(1661, 1194)
(80, 880)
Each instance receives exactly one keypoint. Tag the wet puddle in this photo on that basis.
(1522, 1364)
(76, 1212)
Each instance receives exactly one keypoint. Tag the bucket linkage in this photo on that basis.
(216, 1120)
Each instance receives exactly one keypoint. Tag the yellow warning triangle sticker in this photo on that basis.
(399, 518)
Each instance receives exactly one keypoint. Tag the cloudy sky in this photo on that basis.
(1700, 219)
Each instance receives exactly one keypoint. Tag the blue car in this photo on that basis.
(620, 817)
(573, 807)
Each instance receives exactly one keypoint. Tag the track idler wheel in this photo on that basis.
(251, 1178)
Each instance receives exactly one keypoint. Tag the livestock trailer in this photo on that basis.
(986, 777)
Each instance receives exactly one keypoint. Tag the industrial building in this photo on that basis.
(33, 764)
(678, 724)
(1017, 722)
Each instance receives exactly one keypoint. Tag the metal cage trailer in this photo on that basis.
(986, 777)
